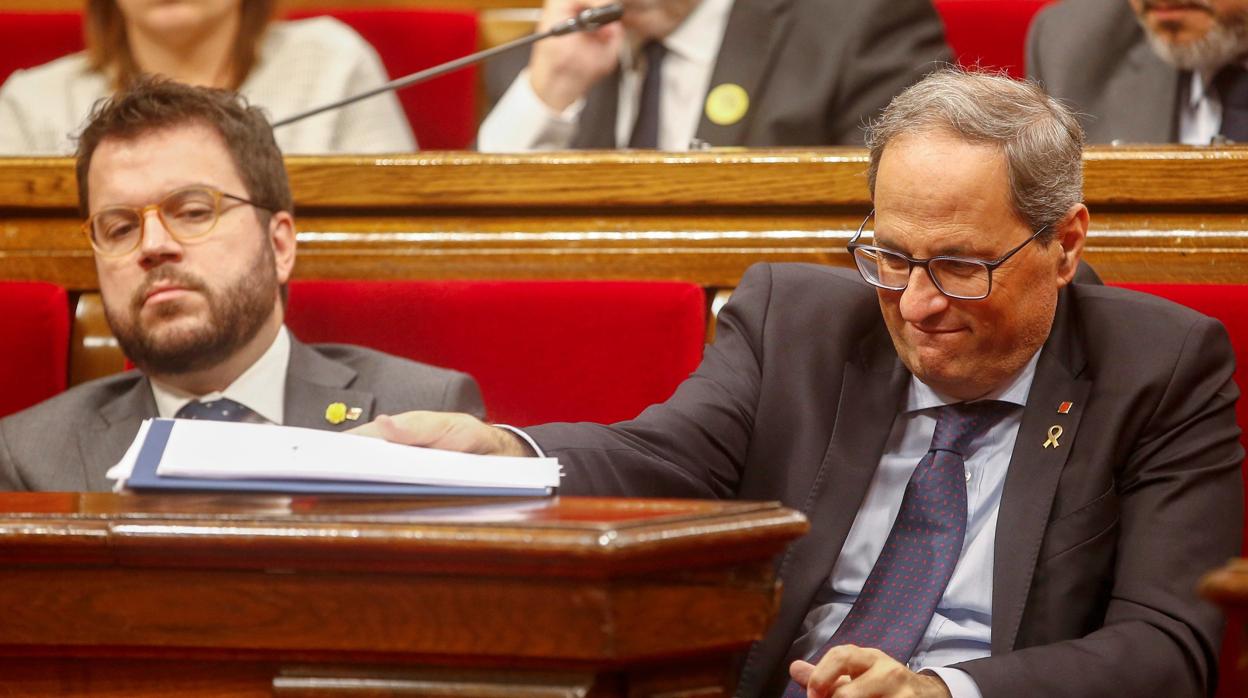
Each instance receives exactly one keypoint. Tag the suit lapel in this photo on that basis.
(1149, 81)
(751, 39)
(116, 425)
(595, 130)
(1034, 471)
(313, 383)
(864, 416)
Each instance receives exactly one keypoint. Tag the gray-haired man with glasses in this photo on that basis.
(1013, 480)
(189, 213)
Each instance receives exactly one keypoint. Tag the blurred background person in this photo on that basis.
(1147, 71)
(727, 73)
(284, 67)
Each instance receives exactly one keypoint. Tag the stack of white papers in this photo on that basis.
(198, 454)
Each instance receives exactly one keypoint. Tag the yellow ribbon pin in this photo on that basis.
(1054, 432)
(336, 413)
(727, 104)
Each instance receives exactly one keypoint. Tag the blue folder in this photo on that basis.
(145, 479)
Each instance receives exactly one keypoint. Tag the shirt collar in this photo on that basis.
(262, 387)
(921, 396)
(695, 39)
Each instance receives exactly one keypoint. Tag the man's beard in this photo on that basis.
(236, 314)
(1224, 43)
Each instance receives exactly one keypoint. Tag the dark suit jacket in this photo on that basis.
(68, 442)
(815, 71)
(1094, 55)
(1099, 542)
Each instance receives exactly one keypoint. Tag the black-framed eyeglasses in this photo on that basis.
(189, 213)
(964, 278)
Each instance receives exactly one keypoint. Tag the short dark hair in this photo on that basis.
(153, 104)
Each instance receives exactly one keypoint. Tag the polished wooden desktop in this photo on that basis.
(193, 595)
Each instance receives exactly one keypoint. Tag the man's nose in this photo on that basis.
(157, 245)
(921, 299)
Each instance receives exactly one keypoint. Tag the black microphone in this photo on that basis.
(586, 20)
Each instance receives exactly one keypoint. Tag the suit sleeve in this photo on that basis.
(1180, 496)
(10, 479)
(695, 443)
(462, 394)
(885, 52)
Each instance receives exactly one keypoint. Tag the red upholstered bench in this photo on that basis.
(442, 112)
(34, 343)
(1229, 304)
(989, 33)
(541, 350)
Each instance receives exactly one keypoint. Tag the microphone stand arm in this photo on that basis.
(588, 20)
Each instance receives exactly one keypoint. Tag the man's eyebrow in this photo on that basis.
(956, 250)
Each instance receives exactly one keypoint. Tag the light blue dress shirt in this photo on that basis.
(961, 628)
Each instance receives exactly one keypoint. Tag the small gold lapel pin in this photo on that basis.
(1064, 408)
(1054, 432)
(338, 412)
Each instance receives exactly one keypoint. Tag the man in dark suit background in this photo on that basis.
(1013, 481)
(1147, 71)
(190, 218)
(726, 72)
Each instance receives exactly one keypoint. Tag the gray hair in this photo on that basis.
(1042, 140)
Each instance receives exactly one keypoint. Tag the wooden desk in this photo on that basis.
(256, 595)
(1228, 588)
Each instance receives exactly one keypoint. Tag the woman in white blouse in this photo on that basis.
(285, 67)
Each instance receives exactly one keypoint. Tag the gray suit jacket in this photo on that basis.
(815, 71)
(1099, 542)
(68, 442)
(1094, 55)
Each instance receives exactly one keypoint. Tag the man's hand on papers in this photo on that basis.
(449, 431)
(857, 671)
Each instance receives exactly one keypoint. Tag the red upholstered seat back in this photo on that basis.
(33, 38)
(443, 111)
(34, 343)
(989, 33)
(1229, 304)
(541, 350)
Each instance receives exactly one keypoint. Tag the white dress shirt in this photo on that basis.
(1200, 110)
(961, 628)
(522, 122)
(261, 388)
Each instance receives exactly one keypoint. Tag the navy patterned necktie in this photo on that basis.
(909, 578)
(646, 129)
(1231, 84)
(222, 410)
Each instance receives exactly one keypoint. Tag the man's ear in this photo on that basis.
(1072, 232)
(282, 238)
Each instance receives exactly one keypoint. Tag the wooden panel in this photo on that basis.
(1163, 214)
(320, 596)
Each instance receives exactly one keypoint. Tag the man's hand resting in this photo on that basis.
(445, 430)
(856, 672)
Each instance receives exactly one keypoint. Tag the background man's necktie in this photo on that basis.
(223, 410)
(646, 130)
(1231, 84)
(909, 578)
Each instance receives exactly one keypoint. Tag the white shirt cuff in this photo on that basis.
(959, 683)
(525, 438)
(521, 121)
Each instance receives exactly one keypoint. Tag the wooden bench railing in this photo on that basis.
(1159, 214)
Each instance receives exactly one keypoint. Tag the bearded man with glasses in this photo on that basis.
(1013, 480)
(189, 213)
